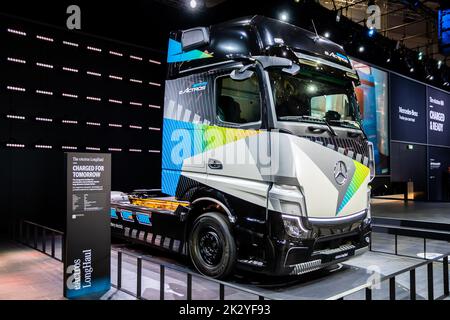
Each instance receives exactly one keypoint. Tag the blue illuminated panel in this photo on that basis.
(127, 215)
(444, 30)
(114, 213)
(144, 218)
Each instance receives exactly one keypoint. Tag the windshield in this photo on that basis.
(314, 98)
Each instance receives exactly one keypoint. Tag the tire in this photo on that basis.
(211, 245)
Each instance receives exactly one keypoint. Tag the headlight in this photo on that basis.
(290, 208)
(287, 199)
(294, 227)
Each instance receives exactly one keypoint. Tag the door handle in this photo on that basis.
(215, 164)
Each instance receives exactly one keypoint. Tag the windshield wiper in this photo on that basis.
(311, 119)
(351, 123)
(333, 133)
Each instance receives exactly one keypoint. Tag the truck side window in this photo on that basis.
(238, 102)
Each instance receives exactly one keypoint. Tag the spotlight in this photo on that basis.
(361, 49)
(326, 34)
(311, 88)
(371, 32)
(431, 78)
(409, 64)
(284, 16)
(420, 56)
(439, 64)
(338, 16)
(193, 4)
(388, 60)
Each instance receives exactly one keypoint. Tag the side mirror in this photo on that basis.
(242, 74)
(194, 38)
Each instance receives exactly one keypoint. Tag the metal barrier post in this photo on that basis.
(44, 240)
(392, 288)
(53, 244)
(445, 268)
(161, 282)
(35, 236)
(369, 293)
(139, 278)
(119, 269)
(412, 284)
(425, 248)
(396, 244)
(189, 287)
(430, 281)
(221, 292)
(63, 248)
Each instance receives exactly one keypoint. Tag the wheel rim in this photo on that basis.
(210, 246)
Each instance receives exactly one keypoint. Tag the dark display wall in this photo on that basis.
(419, 130)
(408, 123)
(64, 91)
(408, 110)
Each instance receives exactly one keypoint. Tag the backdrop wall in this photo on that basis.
(64, 91)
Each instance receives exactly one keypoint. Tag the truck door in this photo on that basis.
(237, 148)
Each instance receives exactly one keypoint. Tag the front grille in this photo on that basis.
(357, 149)
(320, 231)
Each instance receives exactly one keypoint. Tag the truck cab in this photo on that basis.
(265, 164)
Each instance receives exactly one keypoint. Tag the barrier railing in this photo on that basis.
(38, 236)
(368, 287)
(162, 277)
(410, 228)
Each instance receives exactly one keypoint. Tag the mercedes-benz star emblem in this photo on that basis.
(340, 173)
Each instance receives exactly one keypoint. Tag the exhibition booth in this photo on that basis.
(244, 159)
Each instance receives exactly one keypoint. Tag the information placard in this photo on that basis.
(408, 110)
(87, 252)
(439, 174)
(438, 117)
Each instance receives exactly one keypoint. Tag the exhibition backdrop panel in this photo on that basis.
(372, 97)
(439, 174)
(408, 110)
(438, 117)
(67, 91)
(409, 163)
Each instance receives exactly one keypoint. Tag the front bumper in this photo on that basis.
(321, 252)
(285, 255)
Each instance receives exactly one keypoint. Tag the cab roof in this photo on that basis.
(253, 36)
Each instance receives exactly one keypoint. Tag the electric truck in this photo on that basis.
(265, 164)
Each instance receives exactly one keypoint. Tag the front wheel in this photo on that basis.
(211, 245)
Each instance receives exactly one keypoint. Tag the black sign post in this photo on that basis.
(87, 255)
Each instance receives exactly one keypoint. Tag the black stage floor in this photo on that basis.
(411, 210)
(323, 284)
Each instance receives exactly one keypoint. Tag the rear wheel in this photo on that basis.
(211, 245)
